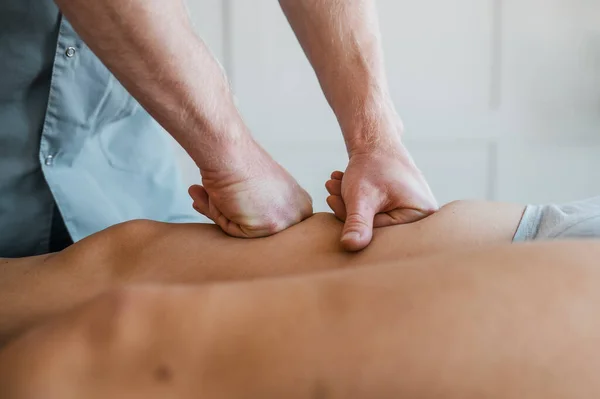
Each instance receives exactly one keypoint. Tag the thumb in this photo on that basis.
(200, 198)
(358, 228)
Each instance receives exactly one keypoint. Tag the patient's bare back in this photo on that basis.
(502, 322)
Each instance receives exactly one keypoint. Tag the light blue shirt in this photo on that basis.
(70, 134)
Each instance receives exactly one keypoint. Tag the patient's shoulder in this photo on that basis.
(135, 227)
(319, 222)
(324, 217)
(110, 246)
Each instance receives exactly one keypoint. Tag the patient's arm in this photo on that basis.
(504, 323)
(150, 252)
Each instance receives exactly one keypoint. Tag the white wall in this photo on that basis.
(500, 98)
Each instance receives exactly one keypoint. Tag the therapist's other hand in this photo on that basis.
(252, 197)
(381, 187)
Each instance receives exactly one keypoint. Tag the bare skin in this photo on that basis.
(150, 46)
(341, 39)
(34, 289)
(514, 321)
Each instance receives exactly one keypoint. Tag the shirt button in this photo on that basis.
(49, 160)
(70, 52)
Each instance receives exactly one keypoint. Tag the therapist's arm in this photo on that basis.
(150, 46)
(341, 39)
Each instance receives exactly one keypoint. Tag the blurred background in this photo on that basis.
(500, 98)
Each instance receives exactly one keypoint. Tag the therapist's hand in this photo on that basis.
(381, 187)
(252, 197)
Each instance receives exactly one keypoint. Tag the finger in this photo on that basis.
(203, 205)
(200, 198)
(358, 228)
(334, 187)
(383, 220)
(337, 175)
(229, 227)
(409, 215)
(400, 216)
(338, 207)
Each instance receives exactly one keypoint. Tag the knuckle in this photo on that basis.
(266, 228)
(273, 226)
(309, 200)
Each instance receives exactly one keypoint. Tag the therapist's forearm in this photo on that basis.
(341, 39)
(150, 46)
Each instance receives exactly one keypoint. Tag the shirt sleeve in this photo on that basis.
(580, 219)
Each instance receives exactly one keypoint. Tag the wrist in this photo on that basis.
(222, 147)
(372, 128)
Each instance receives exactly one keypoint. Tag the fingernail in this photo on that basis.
(351, 236)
